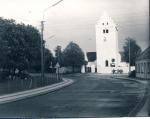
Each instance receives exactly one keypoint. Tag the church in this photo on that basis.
(107, 57)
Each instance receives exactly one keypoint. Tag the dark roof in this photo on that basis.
(91, 56)
(145, 54)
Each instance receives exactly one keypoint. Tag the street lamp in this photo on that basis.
(42, 41)
(129, 57)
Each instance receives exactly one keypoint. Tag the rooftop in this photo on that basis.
(91, 56)
(144, 55)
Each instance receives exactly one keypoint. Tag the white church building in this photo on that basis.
(107, 56)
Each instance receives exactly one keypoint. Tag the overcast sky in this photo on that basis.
(74, 20)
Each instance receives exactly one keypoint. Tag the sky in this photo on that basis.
(74, 20)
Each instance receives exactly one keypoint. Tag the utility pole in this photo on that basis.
(129, 57)
(42, 40)
(42, 51)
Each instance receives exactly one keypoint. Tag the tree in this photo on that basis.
(32, 45)
(73, 56)
(49, 59)
(14, 61)
(58, 55)
(135, 50)
(20, 49)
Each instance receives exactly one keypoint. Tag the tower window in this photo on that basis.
(106, 63)
(113, 60)
(107, 23)
(102, 23)
(107, 31)
(103, 31)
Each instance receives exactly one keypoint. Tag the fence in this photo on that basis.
(35, 81)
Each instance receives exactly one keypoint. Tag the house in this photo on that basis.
(91, 65)
(143, 65)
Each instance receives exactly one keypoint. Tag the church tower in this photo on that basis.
(106, 44)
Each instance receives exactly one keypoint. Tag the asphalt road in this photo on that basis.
(91, 95)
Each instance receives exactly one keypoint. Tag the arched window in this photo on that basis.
(103, 30)
(106, 63)
(107, 31)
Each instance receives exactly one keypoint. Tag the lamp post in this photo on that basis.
(42, 39)
(129, 57)
(42, 51)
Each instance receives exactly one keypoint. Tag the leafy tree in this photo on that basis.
(20, 49)
(33, 50)
(58, 55)
(49, 59)
(73, 55)
(135, 50)
(15, 60)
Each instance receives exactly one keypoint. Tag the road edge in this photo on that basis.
(34, 92)
(139, 107)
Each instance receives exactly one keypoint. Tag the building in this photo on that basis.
(143, 65)
(91, 65)
(106, 44)
(108, 57)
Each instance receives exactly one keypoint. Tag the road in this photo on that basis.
(91, 95)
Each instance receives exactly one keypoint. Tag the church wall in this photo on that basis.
(106, 45)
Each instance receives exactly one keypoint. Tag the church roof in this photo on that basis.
(144, 55)
(91, 56)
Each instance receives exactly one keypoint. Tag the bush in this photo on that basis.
(132, 74)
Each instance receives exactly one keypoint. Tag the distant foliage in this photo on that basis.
(73, 56)
(58, 55)
(135, 50)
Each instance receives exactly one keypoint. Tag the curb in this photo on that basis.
(138, 108)
(124, 78)
(144, 112)
(34, 92)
